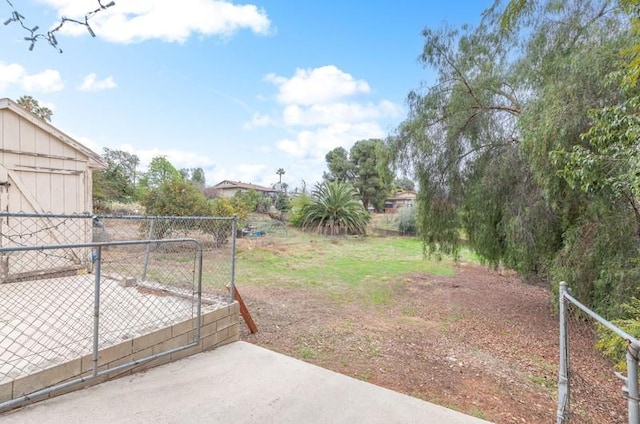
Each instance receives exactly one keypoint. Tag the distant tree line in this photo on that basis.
(165, 190)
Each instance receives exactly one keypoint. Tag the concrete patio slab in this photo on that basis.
(237, 383)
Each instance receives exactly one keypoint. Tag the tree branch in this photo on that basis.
(33, 34)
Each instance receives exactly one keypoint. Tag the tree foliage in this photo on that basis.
(334, 210)
(195, 176)
(340, 167)
(404, 184)
(33, 106)
(526, 145)
(176, 197)
(118, 181)
(280, 172)
(366, 167)
(160, 171)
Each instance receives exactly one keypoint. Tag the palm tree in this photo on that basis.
(44, 113)
(28, 103)
(280, 173)
(335, 209)
(33, 106)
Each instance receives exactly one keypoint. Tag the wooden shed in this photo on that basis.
(42, 171)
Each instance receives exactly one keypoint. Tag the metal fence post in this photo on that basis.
(234, 233)
(96, 310)
(632, 383)
(147, 250)
(563, 375)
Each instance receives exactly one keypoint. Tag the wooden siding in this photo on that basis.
(41, 171)
(53, 176)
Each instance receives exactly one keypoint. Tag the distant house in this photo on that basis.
(229, 188)
(399, 200)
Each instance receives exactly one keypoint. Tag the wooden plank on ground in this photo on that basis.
(244, 311)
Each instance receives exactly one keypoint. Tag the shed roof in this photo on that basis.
(95, 160)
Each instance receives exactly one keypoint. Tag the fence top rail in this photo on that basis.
(44, 215)
(115, 216)
(635, 342)
(167, 217)
(99, 244)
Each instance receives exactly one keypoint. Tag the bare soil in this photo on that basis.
(480, 342)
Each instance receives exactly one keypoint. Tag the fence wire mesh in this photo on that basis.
(48, 295)
(216, 235)
(595, 393)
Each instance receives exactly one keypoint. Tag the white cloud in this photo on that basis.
(10, 74)
(91, 83)
(326, 114)
(46, 81)
(317, 86)
(324, 108)
(178, 158)
(315, 144)
(167, 20)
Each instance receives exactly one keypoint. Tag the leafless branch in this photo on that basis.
(34, 34)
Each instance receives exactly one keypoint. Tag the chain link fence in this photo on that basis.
(217, 236)
(75, 284)
(591, 389)
(48, 319)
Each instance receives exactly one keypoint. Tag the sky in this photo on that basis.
(237, 88)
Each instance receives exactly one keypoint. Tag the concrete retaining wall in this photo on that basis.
(218, 328)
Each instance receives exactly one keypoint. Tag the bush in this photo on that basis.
(406, 220)
(298, 204)
(283, 203)
(614, 346)
(176, 198)
(264, 204)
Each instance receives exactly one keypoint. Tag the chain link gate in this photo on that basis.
(107, 281)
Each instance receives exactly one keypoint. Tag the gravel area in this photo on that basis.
(50, 321)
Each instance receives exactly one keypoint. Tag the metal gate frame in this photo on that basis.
(630, 381)
(96, 373)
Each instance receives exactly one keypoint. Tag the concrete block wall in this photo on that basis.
(218, 328)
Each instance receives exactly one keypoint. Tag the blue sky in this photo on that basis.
(237, 88)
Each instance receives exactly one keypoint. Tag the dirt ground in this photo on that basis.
(479, 342)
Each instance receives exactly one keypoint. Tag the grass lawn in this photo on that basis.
(367, 268)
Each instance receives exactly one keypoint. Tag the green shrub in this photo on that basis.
(614, 346)
(406, 220)
(298, 203)
(176, 198)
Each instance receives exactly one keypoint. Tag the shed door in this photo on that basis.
(4, 191)
(33, 231)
